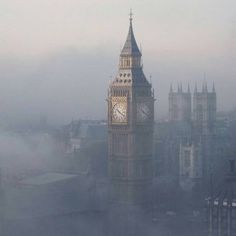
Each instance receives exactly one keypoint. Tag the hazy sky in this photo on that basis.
(56, 56)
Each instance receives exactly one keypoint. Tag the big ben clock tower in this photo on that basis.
(130, 125)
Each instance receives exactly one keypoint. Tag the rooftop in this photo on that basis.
(47, 179)
(130, 46)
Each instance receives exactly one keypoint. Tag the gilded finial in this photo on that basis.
(131, 15)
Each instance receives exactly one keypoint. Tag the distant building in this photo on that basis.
(204, 111)
(82, 134)
(186, 145)
(203, 114)
(180, 105)
(191, 166)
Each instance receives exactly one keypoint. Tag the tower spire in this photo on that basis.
(131, 59)
(130, 48)
(213, 88)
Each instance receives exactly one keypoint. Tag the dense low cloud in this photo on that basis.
(64, 86)
(70, 84)
(22, 152)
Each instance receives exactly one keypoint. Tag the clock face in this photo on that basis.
(119, 110)
(143, 112)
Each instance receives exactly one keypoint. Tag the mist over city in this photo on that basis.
(117, 118)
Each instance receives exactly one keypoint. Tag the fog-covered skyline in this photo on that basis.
(56, 57)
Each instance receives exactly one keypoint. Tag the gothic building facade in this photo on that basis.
(188, 143)
(199, 111)
(204, 111)
(180, 105)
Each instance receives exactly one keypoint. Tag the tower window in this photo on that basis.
(187, 159)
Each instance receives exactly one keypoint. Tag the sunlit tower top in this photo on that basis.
(130, 64)
(130, 48)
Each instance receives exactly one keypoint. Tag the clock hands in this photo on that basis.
(121, 113)
(144, 112)
(119, 110)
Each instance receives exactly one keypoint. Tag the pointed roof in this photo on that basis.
(213, 88)
(130, 46)
(204, 87)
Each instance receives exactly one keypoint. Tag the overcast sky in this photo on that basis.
(57, 56)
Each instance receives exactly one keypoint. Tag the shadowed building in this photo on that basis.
(130, 137)
(204, 127)
(221, 206)
(186, 145)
